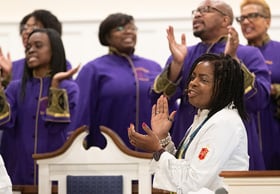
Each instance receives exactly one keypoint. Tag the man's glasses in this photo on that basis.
(251, 17)
(207, 9)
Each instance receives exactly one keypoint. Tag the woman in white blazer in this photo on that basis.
(215, 141)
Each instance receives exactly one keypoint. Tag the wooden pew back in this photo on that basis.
(114, 159)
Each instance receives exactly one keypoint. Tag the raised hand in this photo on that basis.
(161, 121)
(5, 65)
(58, 77)
(232, 42)
(149, 142)
(178, 51)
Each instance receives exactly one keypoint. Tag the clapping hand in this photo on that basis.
(161, 123)
(58, 77)
(232, 42)
(178, 51)
(5, 66)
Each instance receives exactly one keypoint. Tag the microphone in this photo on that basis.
(221, 191)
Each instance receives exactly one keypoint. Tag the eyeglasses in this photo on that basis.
(26, 27)
(251, 17)
(207, 9)
(132, 28)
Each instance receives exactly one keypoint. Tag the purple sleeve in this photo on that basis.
(87, 80)
(11, 96)
(257, 98)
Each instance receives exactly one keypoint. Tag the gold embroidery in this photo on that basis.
(58, 103)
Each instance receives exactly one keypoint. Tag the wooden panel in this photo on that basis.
(257, 182)
(30, 189)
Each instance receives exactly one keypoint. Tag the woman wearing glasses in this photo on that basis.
(255, 21)
(36, 112)
(40, 18)
(217, 35)
(115, 86)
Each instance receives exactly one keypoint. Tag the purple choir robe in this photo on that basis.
(255, 99)
(269, 124)
(27, 132)
(114, 92)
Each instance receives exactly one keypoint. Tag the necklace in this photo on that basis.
(183, 146)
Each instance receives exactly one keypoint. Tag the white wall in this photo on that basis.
(81, 19)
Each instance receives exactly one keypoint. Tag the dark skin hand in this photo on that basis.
(179, 50)
(58, 77)
(159, 122)
(232, 42)
(5, 65)
(149, 142)
(160, 128)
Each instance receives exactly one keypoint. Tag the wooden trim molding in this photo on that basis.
(256, 173)
(115, 137)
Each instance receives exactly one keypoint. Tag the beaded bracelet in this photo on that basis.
(165, 141)
(170, 148)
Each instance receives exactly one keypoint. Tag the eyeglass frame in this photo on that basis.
(26, 27)
(207, 9)
(250, 17)
(122, 28)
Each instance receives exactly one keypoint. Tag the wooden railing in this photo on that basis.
(33, 189)
(238, 182)
(115, 159)
(72, 157)
(255, 182)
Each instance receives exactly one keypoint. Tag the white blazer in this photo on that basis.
(5, 182)
(220, 144)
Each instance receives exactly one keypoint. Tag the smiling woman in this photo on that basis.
(201, 85)
(215, 87)
(255, 20)
(213, 81)
(37, 111)
(119, 82)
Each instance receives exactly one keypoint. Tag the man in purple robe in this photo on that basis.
(212, 22)
(40, 18)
